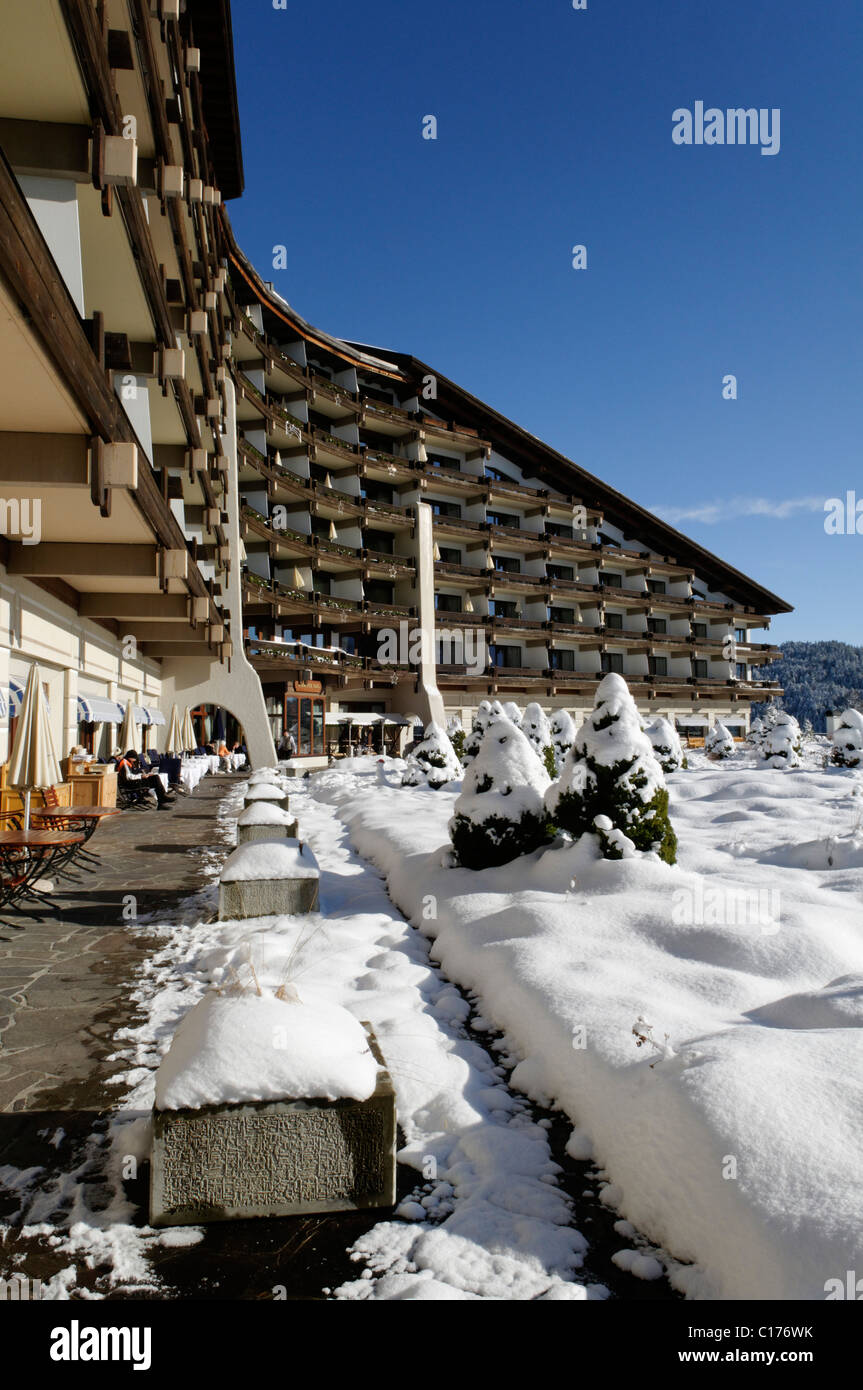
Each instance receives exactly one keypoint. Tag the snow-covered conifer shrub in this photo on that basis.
(456, 735)
(782, 741)
(536, 728)
(433, 761)
(612, 771)
(562, 731)
(665, 742)
(513, 713)
(719, 742)
(847, 740)
(500, 813)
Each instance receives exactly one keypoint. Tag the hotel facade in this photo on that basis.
(205, 500)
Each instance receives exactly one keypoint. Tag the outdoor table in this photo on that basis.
(26, 855)
(83, 820)
(191, 772)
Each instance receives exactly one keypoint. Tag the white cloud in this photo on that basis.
(731, 507)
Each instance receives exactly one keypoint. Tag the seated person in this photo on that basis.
(225, 760)
(129, 774)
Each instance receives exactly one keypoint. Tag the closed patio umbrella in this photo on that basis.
(190, 741)
(129, 730)
(33, 762)
(219, 727)
(174, 740)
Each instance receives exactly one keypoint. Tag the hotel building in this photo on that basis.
(240, 510)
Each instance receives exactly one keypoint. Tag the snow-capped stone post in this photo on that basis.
(433, 762)
(612, 773)
(782, 742)
(847, 739)
(719, 743)
(562, 732)
(270, 1105)
(265, 820)
(665, 742)
(500, 813)
(271, 792)
(268, 878)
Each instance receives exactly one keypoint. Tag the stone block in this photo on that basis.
(271, 878)
(275, 1158)
(245, 833)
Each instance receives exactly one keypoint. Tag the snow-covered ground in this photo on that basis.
(699, 1024)
(732, 1134)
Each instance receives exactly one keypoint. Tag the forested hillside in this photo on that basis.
(818, 676)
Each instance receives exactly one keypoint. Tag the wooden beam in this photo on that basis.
(129, 607)
(76, 559)
(43, 460)
(47, 149)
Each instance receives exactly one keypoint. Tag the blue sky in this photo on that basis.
(554, 129)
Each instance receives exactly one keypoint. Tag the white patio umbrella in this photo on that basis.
(129, 729)
(33, 762)
(174, 740)
(190, 741)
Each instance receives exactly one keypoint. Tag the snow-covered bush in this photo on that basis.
(782, 742)
(433, 762)
(719, 742)
(536, 728)
(562, 731)
(847, 739)
(500, 813)
(665, 742)
(756, 733)
(612, 771)
(456, 734)
(513, 713)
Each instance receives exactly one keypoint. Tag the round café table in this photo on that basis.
(83, 820)
(26, 855)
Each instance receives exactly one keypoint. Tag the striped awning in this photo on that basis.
(152, 716)
(95, 709)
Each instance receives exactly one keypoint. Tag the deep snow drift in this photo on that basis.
(732, 1134)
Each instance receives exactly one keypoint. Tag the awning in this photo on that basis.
(14, 696)
(95, 709)
(4, 704)
(145, 714)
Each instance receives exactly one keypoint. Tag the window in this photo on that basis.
(445, 508)
(556, 528)
(377, 492)
(562, 615)
(614, 620)
(656, 586)
(504, 656)
(612, 581)
(447, 603)
(612, 661)
(699, 668)
(378, 591)
(503, 519)
(741, 671)
(562, 661)
(741, 634)
(699, 630)
(449, 555)
(657, 665)
(508, 563)
(303, 718)
(560, 571)
(379, 540)
(451, 465)
(657, 625)
(503, 608)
